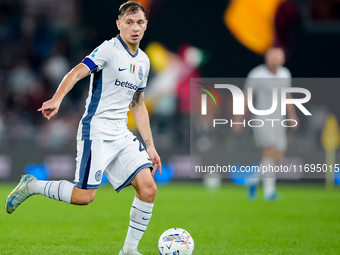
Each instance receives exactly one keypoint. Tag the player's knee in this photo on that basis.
(85, 200)
(82, 197)
(270, 152)
(88, 199)
(148, 194)
(154, 190)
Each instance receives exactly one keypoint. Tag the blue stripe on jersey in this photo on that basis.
(96, 94)
(126, 47)
(85, 165)
(141, 89)
(90, 64)
(133, 175)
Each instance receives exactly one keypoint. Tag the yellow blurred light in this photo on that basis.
(131, 123)
(158, 55)
(330, 138)
(252, 22)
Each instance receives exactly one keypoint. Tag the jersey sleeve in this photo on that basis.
(142, 86)
(98, 59)
(251, 79)
(288, 76)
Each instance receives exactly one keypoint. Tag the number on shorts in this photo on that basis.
(141, 148)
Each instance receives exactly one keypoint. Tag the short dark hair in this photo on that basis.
(130, 7)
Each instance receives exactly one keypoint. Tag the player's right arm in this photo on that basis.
(250, 82)
(51, 107)
(239, 118)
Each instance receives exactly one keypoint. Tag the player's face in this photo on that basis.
(132, 27)
(275, 57)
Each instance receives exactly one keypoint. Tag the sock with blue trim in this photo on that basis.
(269, 180)
(58, 190)
(140, 215)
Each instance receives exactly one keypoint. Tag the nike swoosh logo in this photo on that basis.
(148, 159)
(146, 219)
(10, 203)
(121, 69)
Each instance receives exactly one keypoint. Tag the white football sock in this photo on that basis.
(58, 190)
(253, 180)
(269, 187)
(269, 180)
(140, 215)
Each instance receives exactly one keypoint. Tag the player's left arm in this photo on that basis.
(291, 113)
(141, 115)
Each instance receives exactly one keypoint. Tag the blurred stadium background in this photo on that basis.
(41, 40)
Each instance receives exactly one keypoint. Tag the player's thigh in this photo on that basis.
(130, 161)
(92, 158)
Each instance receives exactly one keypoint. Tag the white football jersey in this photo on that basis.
(262, 80)
(116, 74)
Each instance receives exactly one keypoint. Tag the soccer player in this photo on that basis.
(271, 137)
(119, 72)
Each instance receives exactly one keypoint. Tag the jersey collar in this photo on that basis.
(126, 47)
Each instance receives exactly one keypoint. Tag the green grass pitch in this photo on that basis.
(305, 220)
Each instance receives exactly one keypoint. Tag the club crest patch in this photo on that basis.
(98, 175)
(140, 73)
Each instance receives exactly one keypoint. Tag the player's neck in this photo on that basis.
(133, 48)
(272, 69)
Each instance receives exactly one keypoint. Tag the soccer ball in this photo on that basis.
(176, 241)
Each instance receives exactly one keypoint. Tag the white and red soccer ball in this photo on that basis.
(176, 241)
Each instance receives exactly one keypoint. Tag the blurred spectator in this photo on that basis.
(20, 78)
(169, 91)
(56, 67)
(56, 133)
(34, 45)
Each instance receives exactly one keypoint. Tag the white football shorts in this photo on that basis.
(121, 160)
(267, 136)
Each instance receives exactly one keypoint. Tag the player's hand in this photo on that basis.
(155, 159)
(49, 108)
